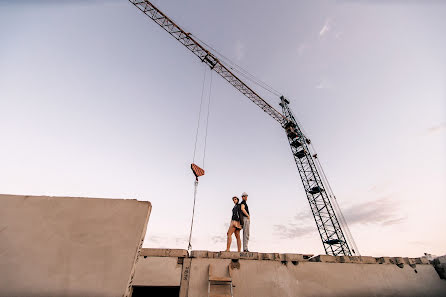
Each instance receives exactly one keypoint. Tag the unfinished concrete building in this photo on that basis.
(59, 246)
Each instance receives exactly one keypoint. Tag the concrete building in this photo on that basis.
(56, 246)
(272, 274)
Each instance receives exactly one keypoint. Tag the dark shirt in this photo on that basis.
(236, 212)
(246, 207)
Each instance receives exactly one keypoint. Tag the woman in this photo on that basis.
(235, 226)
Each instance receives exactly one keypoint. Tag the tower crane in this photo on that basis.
(333, 230)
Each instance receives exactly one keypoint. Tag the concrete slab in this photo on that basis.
(213, 254)
(164, 253)
(349, 259)
(295, 257)
(269, 256)
(199, 254)
(308, 256)
(406, 260)
(412, 261)
(249, 255)
(59, 246)
(400, 261)
(229, 255)
(266, 256)
(423, 260)
(368, 260)
(383, 260)
(325, 259)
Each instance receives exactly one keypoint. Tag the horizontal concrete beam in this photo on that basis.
(295, 257)
(164, 253)
(249, 256)
(228, 255)
(422, 260)
(213, 254)
(269, 256)
(199, 254)
(325, 259)
(285, 257)
(385, 260)
(368, 260)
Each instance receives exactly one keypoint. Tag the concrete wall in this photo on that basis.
(282, 275)
(158, 271)
(168, 274)
(159, 267)
(272, 278)
(55, 246)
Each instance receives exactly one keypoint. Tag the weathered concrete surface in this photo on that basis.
(185, 277)
(158, 271)
(56, 246)
(163, 253)
(273, 278)
(264, 275)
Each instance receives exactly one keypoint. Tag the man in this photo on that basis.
(246, 219)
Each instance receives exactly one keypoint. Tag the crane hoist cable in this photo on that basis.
(199, 114)
(207, 119)
(197, 171)
(237, 68)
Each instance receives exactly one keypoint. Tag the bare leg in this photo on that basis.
(239, 242)
(229, 241)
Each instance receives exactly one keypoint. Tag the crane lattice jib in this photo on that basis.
(205, 56)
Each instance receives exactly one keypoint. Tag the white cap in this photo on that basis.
(244, 194)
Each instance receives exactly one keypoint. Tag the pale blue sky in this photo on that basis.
(96, 100)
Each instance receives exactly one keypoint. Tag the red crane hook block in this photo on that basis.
(196, 170)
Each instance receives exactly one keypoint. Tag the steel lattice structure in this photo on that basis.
(324, 214)
(205, 56)
(327, 223)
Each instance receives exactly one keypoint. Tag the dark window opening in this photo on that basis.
(143, 291)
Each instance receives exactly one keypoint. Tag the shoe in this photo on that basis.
(245, 251)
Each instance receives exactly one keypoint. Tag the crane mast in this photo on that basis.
(317, 192)
(335, 240)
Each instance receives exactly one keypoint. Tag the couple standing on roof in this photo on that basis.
(240, 220)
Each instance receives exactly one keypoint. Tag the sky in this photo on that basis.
(96, 100)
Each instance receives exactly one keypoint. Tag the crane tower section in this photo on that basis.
(324, 214)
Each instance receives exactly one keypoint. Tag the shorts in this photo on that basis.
(236, 224)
